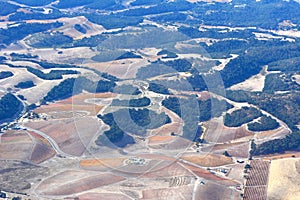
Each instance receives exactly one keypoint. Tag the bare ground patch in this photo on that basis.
(284, 179)
(209, 160)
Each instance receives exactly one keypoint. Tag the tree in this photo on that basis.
(226, 154)
(247, 166)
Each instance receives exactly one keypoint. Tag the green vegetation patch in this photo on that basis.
(34, 2)
(158, 88)
(128, 55)
(80, 28)
(280, 82)
(290, 142)
(49, 40)
(167, 54)
(5, 74)
(241, 116)
(52, 75)
(15, 33)
(10, 106)
(265, 123)
(7, 8)
(25, 84)
(141, 102)
(73, 86)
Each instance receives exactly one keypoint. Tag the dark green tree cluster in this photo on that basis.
(10, 106)
(80, 28)
(212, 108)
(94, 4)
(167, 54)
(141, 102)
(17, 56)
(173, 104)
(241, 116)
(290, 142)
(280, 82)
(267, 14)
(52, 75)
(38, 15)
(127, 89)
(15, 33)
(251, 62)
(50, 40)
(25, 84)
(180, 65)
(73, 86)
(47, 65)
(109, 77)
(148, 119)
(285, 107)
(286, 65)
(158, 88)
(64, 90)
(128, 55)
(34, 2)
(265, 123)
(113, 21)
(2, 58)
(91, 41)
(159, 8)
(114, 135)
(7, 8)
(5, 74)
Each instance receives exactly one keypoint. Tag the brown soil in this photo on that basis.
(209, 160)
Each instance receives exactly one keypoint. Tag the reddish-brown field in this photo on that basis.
(15, 145)
(71, 105)
(217, 132)
(71, 135)
(40, 153)
(100, 163)
(42, 149)
(207, 175)
(158, 139)
(76, 103)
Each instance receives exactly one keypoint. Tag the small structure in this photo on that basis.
(135, 161)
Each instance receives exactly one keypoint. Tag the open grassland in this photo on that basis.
(69, 23)
(184, 192)
(101, 163)
(73, 182)
(103, 196)
(238, 149)
(126, 68)
(284, 179)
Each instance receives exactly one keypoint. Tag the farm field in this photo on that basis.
(137, 99)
